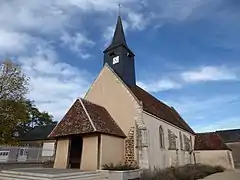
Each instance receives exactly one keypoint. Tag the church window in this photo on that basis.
(144, 138)
(161, 137)
(191, 142)
(172, 138)
(187, 144)
(181, 141)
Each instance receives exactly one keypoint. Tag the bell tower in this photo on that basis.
(119, 57)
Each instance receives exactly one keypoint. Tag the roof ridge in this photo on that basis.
(179, 116)
(89, 118)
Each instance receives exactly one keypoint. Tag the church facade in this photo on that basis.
(117, 121)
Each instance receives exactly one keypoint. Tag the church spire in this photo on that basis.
(119, 57)
(118, 37)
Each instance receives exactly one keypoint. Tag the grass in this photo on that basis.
(119, 167)
(187, 172)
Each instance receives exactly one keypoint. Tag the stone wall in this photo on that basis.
(129, 147)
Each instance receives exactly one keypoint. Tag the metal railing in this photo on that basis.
(25, 154)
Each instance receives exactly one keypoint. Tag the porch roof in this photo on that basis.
(85, 117)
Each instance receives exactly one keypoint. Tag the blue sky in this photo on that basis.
(187, 52)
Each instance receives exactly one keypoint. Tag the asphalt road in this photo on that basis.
(227, 175)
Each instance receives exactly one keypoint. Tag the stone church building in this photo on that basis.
(117, 121)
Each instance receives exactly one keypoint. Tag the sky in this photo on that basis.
(187, 52)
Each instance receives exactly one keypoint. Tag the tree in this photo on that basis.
(13, 90)
(13, 82)
(34, 118)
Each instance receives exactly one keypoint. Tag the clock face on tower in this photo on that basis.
(116, 60)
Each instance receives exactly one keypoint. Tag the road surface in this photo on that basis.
(228, 175)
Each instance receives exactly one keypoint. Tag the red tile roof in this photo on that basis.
(85, 117)
(209, 141)
(155, 107)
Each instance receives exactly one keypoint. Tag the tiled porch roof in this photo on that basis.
(85, 117)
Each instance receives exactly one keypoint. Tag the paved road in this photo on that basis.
(228, 175)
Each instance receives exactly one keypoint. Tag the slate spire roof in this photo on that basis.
(118, 37)
(86, 117)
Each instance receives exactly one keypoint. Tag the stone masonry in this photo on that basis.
(129, 147)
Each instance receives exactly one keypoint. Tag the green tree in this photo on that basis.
(13, 82)
(34, 118)
(13, 91)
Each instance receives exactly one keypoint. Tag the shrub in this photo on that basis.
(187, 172)
(119, 167)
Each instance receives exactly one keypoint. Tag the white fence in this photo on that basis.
(25, 154)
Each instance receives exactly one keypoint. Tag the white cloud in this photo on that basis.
(28, 15)
(54, 18)
(159, 85)
(228, 123)
(14, 42)
(190, 106)
(209, 73)
(77, 43)
(204, 114)
(201, 113)
(182, 79)
(54, 85)
(137, 20)
(175, 10)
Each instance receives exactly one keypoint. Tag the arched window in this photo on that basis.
(191, 143)
(161, 137)
(181, 141)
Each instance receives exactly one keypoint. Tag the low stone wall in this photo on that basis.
(7, 166)
(122, 175)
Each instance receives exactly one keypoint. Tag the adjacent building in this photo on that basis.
(34, 146)
(232, 139)
(210, 149)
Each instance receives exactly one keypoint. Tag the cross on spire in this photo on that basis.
(119, 9)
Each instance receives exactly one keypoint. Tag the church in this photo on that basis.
(119, 122)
